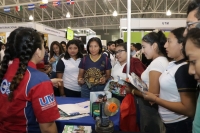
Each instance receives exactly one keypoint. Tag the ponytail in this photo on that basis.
(26, 43)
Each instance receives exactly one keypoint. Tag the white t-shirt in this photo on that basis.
(159, 64)
(169, 90)
(117, 71)
(70, 73)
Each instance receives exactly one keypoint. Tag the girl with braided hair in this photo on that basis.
(27, 102)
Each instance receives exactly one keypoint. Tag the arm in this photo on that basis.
(48, 127)
(186, 106)
(154, 86)
(104, 79)
(108, 74)
(61, 87)
(80, 76)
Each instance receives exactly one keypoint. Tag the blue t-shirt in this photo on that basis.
(196, 122)
(94, 70)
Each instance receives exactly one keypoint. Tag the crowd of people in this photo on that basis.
(31, 75)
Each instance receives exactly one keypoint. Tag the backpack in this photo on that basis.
(107, 53)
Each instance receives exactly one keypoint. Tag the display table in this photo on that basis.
(86, 121)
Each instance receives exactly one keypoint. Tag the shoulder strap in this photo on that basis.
(108, 53)
(84, 61)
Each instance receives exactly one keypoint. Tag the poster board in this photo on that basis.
(3, 37)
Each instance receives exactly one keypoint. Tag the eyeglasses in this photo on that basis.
(188, 24)
(119, 51)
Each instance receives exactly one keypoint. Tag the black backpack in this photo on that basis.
(107, 53)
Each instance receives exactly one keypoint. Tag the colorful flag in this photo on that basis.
(43, 5)
(6, 9)
(18, 8)
(70, 2)
(31, 7)
(56, 3)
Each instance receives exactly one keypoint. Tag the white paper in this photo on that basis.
(73, 108)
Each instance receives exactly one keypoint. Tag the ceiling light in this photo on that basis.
(30, 17)
(168, 13)
(68, 15)
(45, 1)
(115, 13)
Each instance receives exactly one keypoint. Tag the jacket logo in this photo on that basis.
(47, 102)
(5, 85)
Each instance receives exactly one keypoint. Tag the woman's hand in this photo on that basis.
(52, 60)
(102, 80)
(56, 82)
(150, 97)
(81, 81)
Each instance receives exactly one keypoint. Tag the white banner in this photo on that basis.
(153, 23)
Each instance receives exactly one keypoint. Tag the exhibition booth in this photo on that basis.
(141, 26)
(50, 33)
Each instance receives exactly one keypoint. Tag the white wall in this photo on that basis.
(52, 38)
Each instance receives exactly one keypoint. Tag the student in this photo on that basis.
(192, 49)
(193, 15)
(67, 69)
(56, 53)
(110, 52)
(64, 45)
(94, 69)
(136, 65)
(153, 48)
(177, 88)
(23, 87)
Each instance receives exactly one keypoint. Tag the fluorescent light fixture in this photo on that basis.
(30, 17)
(115, 13)
(168, 13)
(45, 1)
(68, 15)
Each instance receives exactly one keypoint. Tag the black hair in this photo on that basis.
(193, 35)
(26, 42)
(98, 41)
(63, 42)
(138, 46)
(158, 38)
(194, 5)
(100, 96)
(118, 41)
(79, 54)
(110, 43)
(1, 44)
(178, 33)
(10, 52)
(82, 48)
(51, 48)
(46, 47)
(124, 45)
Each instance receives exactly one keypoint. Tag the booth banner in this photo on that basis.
(53, 31)
(3, 37)
(153, 23)
(11, 27)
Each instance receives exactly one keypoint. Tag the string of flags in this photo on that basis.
(41, 5)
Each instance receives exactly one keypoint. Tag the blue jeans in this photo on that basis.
(184, 126)
(85, 91)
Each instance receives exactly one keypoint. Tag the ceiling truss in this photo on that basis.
(95, 14)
